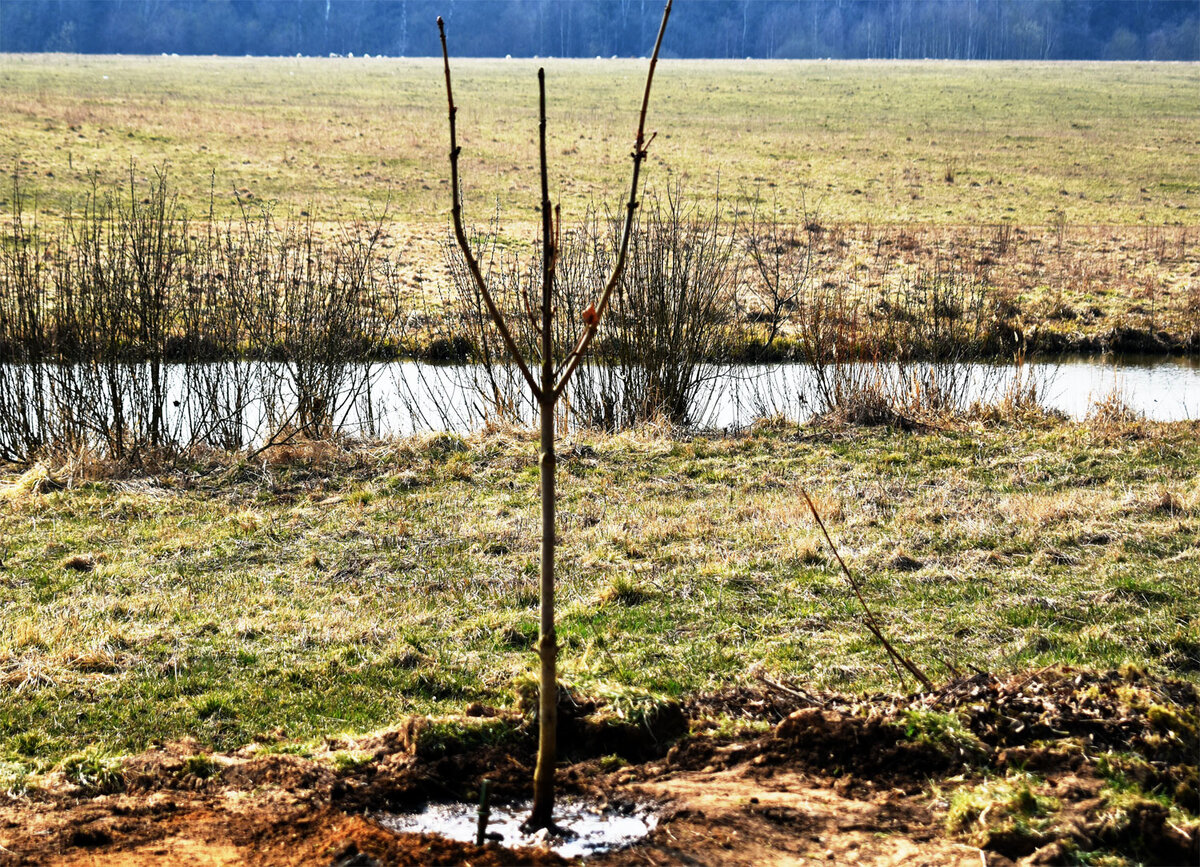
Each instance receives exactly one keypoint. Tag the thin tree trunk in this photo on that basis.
(546, 393)
(543, 775)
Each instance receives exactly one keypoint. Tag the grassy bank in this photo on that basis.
(1060, 196)
(322, 591)
(943, 143)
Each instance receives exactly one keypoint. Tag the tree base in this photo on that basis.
(537, 822)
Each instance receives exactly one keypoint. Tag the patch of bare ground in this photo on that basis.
(1035, 768)
(745, 816)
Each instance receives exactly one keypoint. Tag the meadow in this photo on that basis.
(320, 590)
(327, 587)
(1068, 192)
(856, 142)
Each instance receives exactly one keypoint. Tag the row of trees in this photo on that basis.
(955, 29)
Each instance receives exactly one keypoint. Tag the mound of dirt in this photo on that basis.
(1040, 768)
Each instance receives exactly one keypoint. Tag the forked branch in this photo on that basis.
(461, 235)
(592, 323)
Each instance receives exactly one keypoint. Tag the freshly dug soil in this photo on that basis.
(835, 779)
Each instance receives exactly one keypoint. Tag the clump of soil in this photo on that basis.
(1040, 768)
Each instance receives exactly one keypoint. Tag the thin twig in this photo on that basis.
(872, 624)
(639, 155)
(792, 691)
(549, 252)
(949, 666)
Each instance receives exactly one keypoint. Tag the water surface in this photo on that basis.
(589, 829)
(241, 404)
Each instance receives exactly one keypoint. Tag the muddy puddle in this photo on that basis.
(587, 828)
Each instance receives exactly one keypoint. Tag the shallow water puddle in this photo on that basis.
(588, 828)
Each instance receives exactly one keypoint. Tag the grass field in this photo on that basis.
(943, 143)
(322, 588)
(322, 591)
(1068, 191)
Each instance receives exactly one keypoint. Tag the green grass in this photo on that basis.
(1066, 190)
(230, 603)
(945, 143)
(1014, 807)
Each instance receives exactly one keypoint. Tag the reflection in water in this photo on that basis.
(235, 405)
(411, 397)
(589, 829)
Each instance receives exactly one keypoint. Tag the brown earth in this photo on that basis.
(831, 779)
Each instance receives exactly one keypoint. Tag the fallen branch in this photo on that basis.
(872, 624)
(788, 690)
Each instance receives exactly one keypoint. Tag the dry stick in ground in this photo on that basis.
(547, 393)
(790, 690)
(872, 624)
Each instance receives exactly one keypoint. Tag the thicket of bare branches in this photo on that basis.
(130, 333)
(672, 327)
(133, 332)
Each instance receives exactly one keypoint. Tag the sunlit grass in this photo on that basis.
(946, 143)
(341, 596)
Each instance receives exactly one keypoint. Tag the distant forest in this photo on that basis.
(952, 29)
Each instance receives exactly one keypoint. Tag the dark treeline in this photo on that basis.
(953, 29)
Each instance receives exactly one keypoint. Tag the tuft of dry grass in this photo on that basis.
(1112, 416)
(38, 479)
(80, 563)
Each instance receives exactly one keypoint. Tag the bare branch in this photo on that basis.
(872, 624)
(549, 248)
(639, 154)
(461, 236)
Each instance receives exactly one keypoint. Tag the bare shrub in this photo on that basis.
(915, 343)
(672, 323)
(85, 316)
(315, 312)
(25, 308)
(126, 336)
(782, 257)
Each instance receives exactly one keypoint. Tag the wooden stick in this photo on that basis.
(871, 622)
